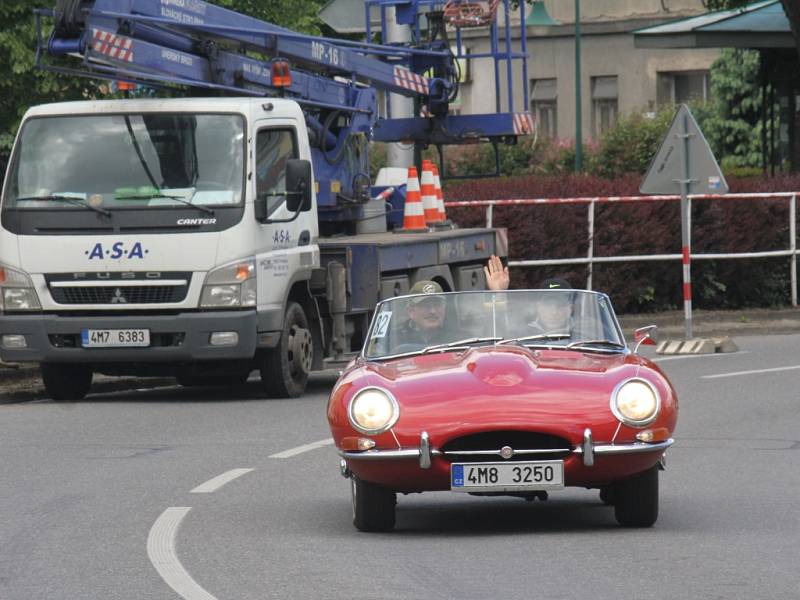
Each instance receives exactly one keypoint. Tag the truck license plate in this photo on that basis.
(507, 476)
(115, 338)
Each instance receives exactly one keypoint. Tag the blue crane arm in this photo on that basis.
(177, 26)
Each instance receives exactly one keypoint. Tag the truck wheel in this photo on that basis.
(373, 506)
(285, 368)
(65, 381)
(636, 499)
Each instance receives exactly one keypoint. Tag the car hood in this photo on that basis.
(509, 387)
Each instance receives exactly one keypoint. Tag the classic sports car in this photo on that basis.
(501, 393)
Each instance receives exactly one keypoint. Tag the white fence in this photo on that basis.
(590, 259)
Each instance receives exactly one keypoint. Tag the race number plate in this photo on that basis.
(507, 476)
(115, 338)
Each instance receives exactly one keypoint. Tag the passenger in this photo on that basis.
(553, 311)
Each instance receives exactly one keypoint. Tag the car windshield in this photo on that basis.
(426, 323)
(132, 161)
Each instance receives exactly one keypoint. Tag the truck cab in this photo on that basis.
(156, 237)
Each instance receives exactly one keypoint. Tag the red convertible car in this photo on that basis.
(501, 393)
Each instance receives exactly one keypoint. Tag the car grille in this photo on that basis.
(486, 446)
(124, 294)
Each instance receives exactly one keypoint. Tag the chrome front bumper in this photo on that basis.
(588, 449)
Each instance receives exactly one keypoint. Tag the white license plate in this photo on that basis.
(115, 338)
(507, 476)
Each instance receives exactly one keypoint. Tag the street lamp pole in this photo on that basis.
(578, 108)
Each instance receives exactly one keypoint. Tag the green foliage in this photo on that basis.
(630, 146)
(22, 85)
(298, 15)
(732, 120)
(724, 4)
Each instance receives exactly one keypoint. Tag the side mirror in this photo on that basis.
(645, 335)
(260, 206)
(298, 185)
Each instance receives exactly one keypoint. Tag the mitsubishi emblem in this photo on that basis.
(118, 298)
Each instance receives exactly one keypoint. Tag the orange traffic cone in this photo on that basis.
(429, 203)
(413, 213)
(437, 184)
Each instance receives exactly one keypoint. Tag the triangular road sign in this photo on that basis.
(667, 171)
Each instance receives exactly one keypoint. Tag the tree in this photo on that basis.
(732, 119)
(22, 85)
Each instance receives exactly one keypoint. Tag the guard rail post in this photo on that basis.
(590, 252)
(793, 247)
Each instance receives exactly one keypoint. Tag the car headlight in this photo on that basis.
(232, 285)
(635, 402)
(16, 291)
(373, 410)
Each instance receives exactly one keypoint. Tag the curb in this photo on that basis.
(697, 346)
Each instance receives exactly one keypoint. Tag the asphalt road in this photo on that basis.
(116, 497)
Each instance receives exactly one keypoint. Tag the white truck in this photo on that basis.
(157, 237)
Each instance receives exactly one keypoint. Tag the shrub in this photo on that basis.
(719, 226)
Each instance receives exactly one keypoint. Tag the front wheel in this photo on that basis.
(373, 506)
(636, 499)
(66, 381)
(285, 368)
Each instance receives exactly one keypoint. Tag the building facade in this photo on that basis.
(617, 78)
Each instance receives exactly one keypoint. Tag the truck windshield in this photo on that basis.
(133, 161)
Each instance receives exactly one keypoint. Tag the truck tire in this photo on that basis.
(285, 368)
(66, 381)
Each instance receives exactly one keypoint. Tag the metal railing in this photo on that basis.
(590, 259)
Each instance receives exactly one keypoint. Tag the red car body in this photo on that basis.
(560, 397)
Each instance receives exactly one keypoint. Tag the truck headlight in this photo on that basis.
(16, 291)
(635, 402)
(232, 285)
(373, 410)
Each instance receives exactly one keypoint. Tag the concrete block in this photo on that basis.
(697, 346)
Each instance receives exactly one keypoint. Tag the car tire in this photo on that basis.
(65, 382)
(373, 506)
(285, 368)
(636, 499)
(607, 495)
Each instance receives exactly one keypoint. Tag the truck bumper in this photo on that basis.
(173, 338)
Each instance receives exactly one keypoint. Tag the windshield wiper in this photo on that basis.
(541, 336)
(157, 195)
(464, 342)
(584, 343)
(69, 199)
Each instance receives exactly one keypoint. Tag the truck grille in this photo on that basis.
(124, 294)
(486, 446)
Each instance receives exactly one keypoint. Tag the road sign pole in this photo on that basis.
(686, 227)
(685, 160)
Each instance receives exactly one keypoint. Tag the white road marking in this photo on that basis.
(161, 552)
(685, 356)
(754, 372)
(212, 485)
(304, 448)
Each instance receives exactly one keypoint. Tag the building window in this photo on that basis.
(544, 106)
(605, 104)
(682, 87)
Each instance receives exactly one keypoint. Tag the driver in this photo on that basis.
(427, 315)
